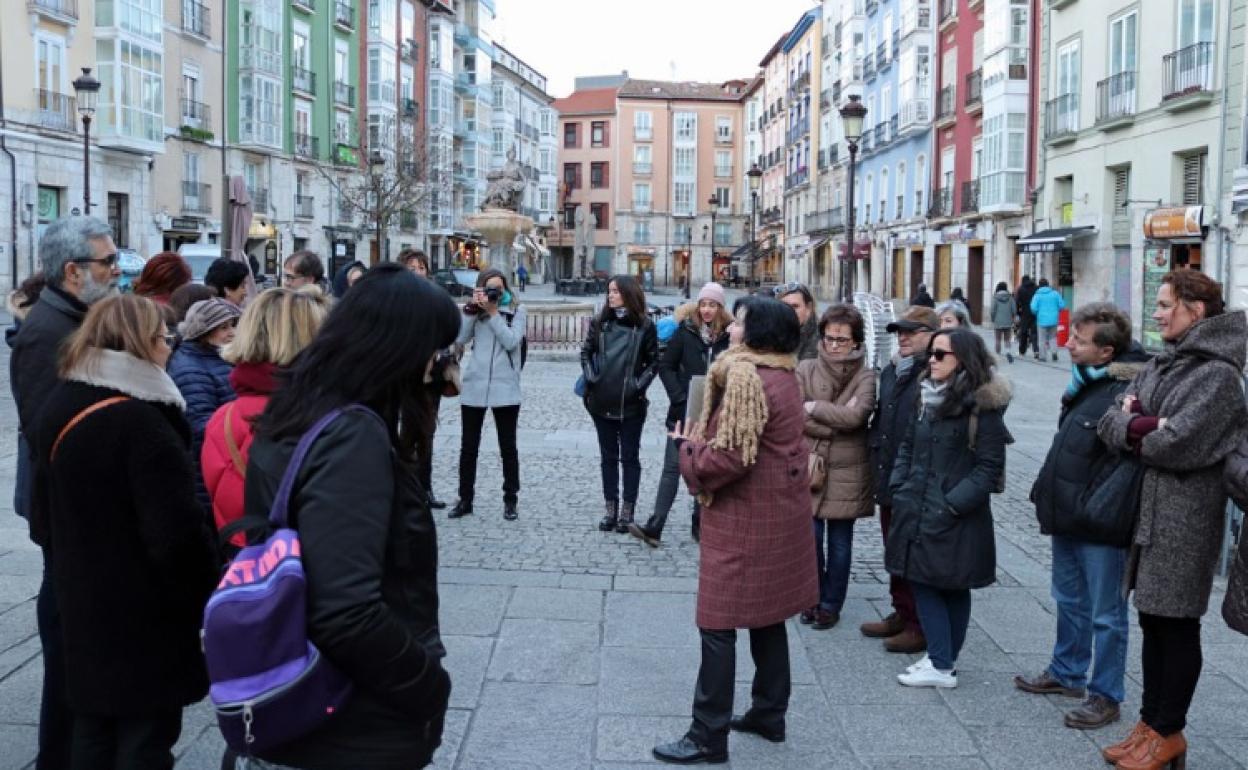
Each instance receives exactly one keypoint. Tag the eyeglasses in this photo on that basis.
(939, 355)
(109, 261)
(170, 339)
(837, 341)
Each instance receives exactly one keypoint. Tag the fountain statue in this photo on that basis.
(499, 219)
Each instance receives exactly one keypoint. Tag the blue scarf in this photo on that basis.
(1082, 375)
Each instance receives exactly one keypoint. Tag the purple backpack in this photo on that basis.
(269, 683)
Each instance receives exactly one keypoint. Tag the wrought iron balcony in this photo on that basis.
(409, 107)
(344, 94)
(305, 207)
(303, 79)
(881, 56)
(836, 94)
(306, 146)
(196, 114)
(196, 19)
(1061, 117)
(304, 5)
(344, 15)
(825, 99)
(970, 197)
(56, 111)
(642, 169)
(196, 198)
(881, 135)
(56, 10)
(946, 106)
(868, 68)
(941, 203)
(259, 200)
(823, 221)
(974, 89)
(1115, 98)
(1188, 71)
(948, 11)
(871, 6)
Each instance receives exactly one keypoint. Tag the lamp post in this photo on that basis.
(377, 165)
(688, 259)
(87, 89)
(713, 202)
(852, 115)
(756, 178)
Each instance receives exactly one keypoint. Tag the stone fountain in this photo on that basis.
(499, 219)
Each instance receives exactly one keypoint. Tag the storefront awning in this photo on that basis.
(745, 249)
(1051, 241)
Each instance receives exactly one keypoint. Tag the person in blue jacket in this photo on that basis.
(1046, 304)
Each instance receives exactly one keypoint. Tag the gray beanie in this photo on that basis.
(206, 315)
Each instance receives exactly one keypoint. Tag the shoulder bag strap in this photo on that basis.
(236, 455)
(98, 405)
(972, 427)
(279, 511)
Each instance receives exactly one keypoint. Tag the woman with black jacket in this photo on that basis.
(618, 360)
(368, 543)
(941, 538)
(700, 338)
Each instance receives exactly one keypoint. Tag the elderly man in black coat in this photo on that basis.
(79, 263)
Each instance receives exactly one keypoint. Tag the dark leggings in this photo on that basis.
(505, 420)
(424, 456)
(1171, 656)
(619, 442)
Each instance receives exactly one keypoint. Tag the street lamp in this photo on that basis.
(756, 179)
(87, 89)
(852, 115)
(713, 202)
(377, 165)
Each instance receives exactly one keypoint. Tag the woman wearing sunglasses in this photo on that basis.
(941, 536)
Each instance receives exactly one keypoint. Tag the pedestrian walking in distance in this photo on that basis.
(1182, 416)
(522, 277)
(894, 411)
(798, 297)
(699, 339)
(941, 538)
(1047, 305)
(1004, 316)
(133, 560)
(839, 392)
(921, 298)
(494, 324)
(1026, 319)
(757, 564)
(436, 381)
(367, 536)
(619, 360)
(1089, 542)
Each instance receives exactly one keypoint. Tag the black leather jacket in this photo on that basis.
(619, 360)
(370, 555)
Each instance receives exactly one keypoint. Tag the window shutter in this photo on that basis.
(579, 182)
(606, 174)
(606, 141)
(1122, 188)
(1193, 179)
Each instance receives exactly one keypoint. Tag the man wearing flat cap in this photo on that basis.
(894, 410)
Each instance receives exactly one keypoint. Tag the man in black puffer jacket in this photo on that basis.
(1088, 558)
(894, 411)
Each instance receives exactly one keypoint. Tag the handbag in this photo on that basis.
(1110, 504)
(578, 387)
(818, 468)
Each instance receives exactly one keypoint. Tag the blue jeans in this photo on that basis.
(945, 616)
(1087, 580)
(834, 566)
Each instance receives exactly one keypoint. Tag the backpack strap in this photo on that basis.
(236, 455)
(278, 512)
(972, 427)
(98, 405)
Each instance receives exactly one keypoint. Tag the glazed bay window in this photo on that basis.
(686, 127)
(131, 101)
(260, 36)
(381, 70)
(260, 110)
(682, 199)
(140, 18)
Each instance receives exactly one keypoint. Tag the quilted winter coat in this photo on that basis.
(838, 432)
(1235, 607)
(757, 545)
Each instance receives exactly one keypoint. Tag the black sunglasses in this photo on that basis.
(108, 261)
(939, 355)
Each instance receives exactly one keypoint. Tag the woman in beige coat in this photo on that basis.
(839, 390)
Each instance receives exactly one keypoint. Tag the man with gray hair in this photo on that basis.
(1089, 542)
(80, 267)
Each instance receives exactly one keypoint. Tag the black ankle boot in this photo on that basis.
(626, 517)
(509, 510)
(460, 510)
(649, 533)
(608, 521)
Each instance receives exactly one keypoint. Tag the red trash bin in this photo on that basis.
(1063, 327)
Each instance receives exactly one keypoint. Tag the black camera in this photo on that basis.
(493, 294)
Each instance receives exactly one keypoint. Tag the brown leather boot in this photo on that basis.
(909, 641)
(1154, 752)
(882, 629)
(1121, 749)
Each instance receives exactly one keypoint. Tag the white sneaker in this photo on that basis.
(929, 677)
(924, 662)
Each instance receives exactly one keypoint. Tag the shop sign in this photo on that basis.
(909, 238)
(184, 223)
(1156, 265)
(1178, 222)
(347, 155)
(957, 234)
(862, 250)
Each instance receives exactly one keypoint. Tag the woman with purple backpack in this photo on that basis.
(366, 534)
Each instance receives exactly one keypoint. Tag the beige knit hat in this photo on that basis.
(206, 315)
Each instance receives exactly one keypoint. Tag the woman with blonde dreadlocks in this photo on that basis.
(746, 461)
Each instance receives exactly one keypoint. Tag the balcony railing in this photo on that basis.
(948, 11)
(344, 15)
(303, 79)
(941, 203)
(974, 88)
(344, 94)
(825, 99)
(259, 200)
(409, 50)
(306, 146)
(896, 45)
(799, 177)
(1188, 71)
(196, 19)
(881, 135)
(871, 6)
(970, 197)
(56, 111)
(946, 106)
(831, 219)
(196, 198)
(307, 5)
(723, 172)
(1115, 97)
(305, 207)
(881, 56)
(641, 205)
(196, 114)
(642, 169)
(836, 94)
(409, 107)
(868, 68)
(59, 10)
(1061, 116)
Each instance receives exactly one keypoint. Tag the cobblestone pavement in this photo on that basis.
(574, 649)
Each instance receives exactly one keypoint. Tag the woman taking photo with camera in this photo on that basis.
(494, 324)
(619, 360)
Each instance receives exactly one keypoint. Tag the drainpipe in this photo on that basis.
(1224, 254)
(12, 184)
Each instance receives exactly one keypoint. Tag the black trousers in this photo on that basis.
(1172, 661)
(424, 455)
(133, 743)
(1027, 334)
(505, 420)
(56, 722)
(712, 698)
(619, 445)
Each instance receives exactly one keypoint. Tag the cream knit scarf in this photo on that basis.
(734, 387)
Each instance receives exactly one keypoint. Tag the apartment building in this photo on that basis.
(681, 212)
(587, 159)
(445, 244)
(473, 45)
(771, 264)
(1133, 162)
(828, 219)
(123, 42)
(801, 139)
(752, 159)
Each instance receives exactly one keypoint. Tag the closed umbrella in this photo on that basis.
(240, 225)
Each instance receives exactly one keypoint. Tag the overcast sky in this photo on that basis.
(704, 40)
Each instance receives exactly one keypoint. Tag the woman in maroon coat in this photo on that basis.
(746, 460)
